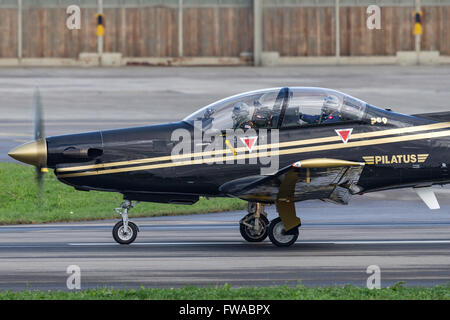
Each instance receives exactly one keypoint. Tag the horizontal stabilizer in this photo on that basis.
(427, 195)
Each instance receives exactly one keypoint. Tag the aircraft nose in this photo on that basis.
(34, 153)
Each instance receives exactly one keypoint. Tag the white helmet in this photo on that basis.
(331, 104)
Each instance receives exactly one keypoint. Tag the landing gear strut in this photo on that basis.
(254, 225)
(125, 231)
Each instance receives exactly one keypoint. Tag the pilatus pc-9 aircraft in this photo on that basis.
(273, 146)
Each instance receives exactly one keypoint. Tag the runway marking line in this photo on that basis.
(197, 243)
(345, 242)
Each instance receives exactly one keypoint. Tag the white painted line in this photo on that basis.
(349, 242)
(156, 243)
(32, 246)
(386, 242)
(214, 243)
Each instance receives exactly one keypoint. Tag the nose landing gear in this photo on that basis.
(125, 231)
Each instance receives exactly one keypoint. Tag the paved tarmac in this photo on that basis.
(392, 230)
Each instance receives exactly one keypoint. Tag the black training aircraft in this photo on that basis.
(273, 146)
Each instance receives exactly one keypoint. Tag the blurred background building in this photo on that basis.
(177, 32)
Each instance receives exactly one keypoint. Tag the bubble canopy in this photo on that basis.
(279, 108)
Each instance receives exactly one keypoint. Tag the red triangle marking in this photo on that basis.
(344, 134)
(249, 142)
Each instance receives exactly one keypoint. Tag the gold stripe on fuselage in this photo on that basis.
(335, 146)
(369, 159)
(434, 126)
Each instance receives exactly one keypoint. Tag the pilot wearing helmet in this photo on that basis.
(266, 113)
(330, 112)
(241, 116)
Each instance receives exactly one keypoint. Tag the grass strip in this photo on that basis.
(226, 292)
(20, 202)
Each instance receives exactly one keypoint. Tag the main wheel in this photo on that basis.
(249, 233)
(278, 235)
(123, 236)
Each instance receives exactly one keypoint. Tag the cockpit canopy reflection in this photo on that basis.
(279, 108)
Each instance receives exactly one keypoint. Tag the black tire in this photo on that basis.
(276, 229)
(247, 233)
(118, 235)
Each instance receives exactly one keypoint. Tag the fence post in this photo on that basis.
(180, 28)
(257, 31)
(338, 33)
(19, 29)
(417, 36)
(123, 26)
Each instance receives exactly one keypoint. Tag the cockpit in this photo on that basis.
(279, 108)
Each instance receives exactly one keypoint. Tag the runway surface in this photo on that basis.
(394, 231)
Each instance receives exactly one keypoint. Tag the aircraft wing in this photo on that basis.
(321, 178)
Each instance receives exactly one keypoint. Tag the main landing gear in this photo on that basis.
(279, 236)
(255, 226)
(125, 231)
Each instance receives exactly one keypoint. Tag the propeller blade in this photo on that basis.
(40, 184)
(38, 127)
(38, 122)
(35, 152)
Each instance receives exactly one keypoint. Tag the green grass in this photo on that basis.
(19, 201)
(397, 292)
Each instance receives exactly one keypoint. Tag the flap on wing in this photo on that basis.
(321, 178)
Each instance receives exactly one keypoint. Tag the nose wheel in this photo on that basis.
(125, 231)
(124, 235)
(279, 236)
